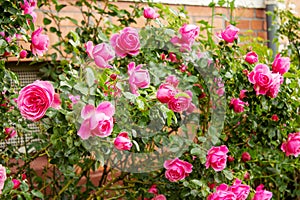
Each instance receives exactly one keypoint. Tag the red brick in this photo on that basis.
(243, 24)
(257, 25)
(260, 13)
(198, 11)
(262, 34)
(243, 12)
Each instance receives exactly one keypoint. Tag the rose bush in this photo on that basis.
(154, 107)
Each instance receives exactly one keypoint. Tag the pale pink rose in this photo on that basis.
(89, 46)
(274, 118)
(56, 104)
(188, 32)
(277, 80)
(281, 64)
(16, 183)
(292, 145)
(2, 177)
(222, 193)
(138, 78)
(97, 121)
(11, 132)
(23, 53)
(230, 33)
(165, 93)
(150, 13)
(171, 79)
(180, 102)
(262, 78)
(153, 189)
(177, 169)
(74, 99)
(103, 53)
(39, 42)
(216, 158)
(126, 42)
(261, 194)
(35, 99)
(240, 190)
(251, 57)
(30, 11)
(122, 141)
(243, 94)
(159, 197)
(237, 105)
(246, 157)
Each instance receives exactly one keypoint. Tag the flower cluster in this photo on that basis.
(28, 7)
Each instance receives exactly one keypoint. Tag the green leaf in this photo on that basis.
(90, 77)
(228, 174)
(196, 151)
(37, 193)
(59, 7)
(46, 21)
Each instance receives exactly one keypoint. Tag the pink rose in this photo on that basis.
(103, 53)
(153, 189)
(89, 46)
(150, 13)
(30, 11)
(251, 57)
(222, 193)
(56, 104)
(274, 118)
(126, 42)
(180, 102)
(237, 104)
(243, 94)
(11, 132)
(97, 121)
(247, 176)
(28, 3)
(138, 78)
(246, 156)
(165, 93)
(2, 177)
(177, 169)
(261, 194)
(240, 190)
(292, 145)
(188, 32)
(23, 53)
(262, 78)
(74, 99)
(216, 158)
(35, 99)
(159, 197)
(122, 141)
(281, 64)
(230, 33)
(39, 42)
(171, 79)
(16, 183)
(277, 80)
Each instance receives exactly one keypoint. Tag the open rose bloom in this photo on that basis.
(177, 169)
(97, 121)
(122, 141)
(2, 177)
(292, 145)
(261, 194)
(39, 43)
(216, 158)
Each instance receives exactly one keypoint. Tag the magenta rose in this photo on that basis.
(230, 33)
(23, 53)
(292, 145)
(274, 118)
(122, 141)
(188, 32)
(177, 169)
(35, 99)
(216, 158)
(89, 46)
(262, 78)
(171, 79)
(97, 121)
(281, 64)
(126, 42)
(246, 157)
(159, 197)
(165, 93)
(243, 94)
(261, 194)
(39, 42)
(180, 102)
(277, 80)
(240, 190)
(153, 189)
(2, 177)
(10, 131)
(16, 183)
(103, 53)
(251, 57)
(222, 193)
(150, 13)
(138, 78)
(237, 104)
